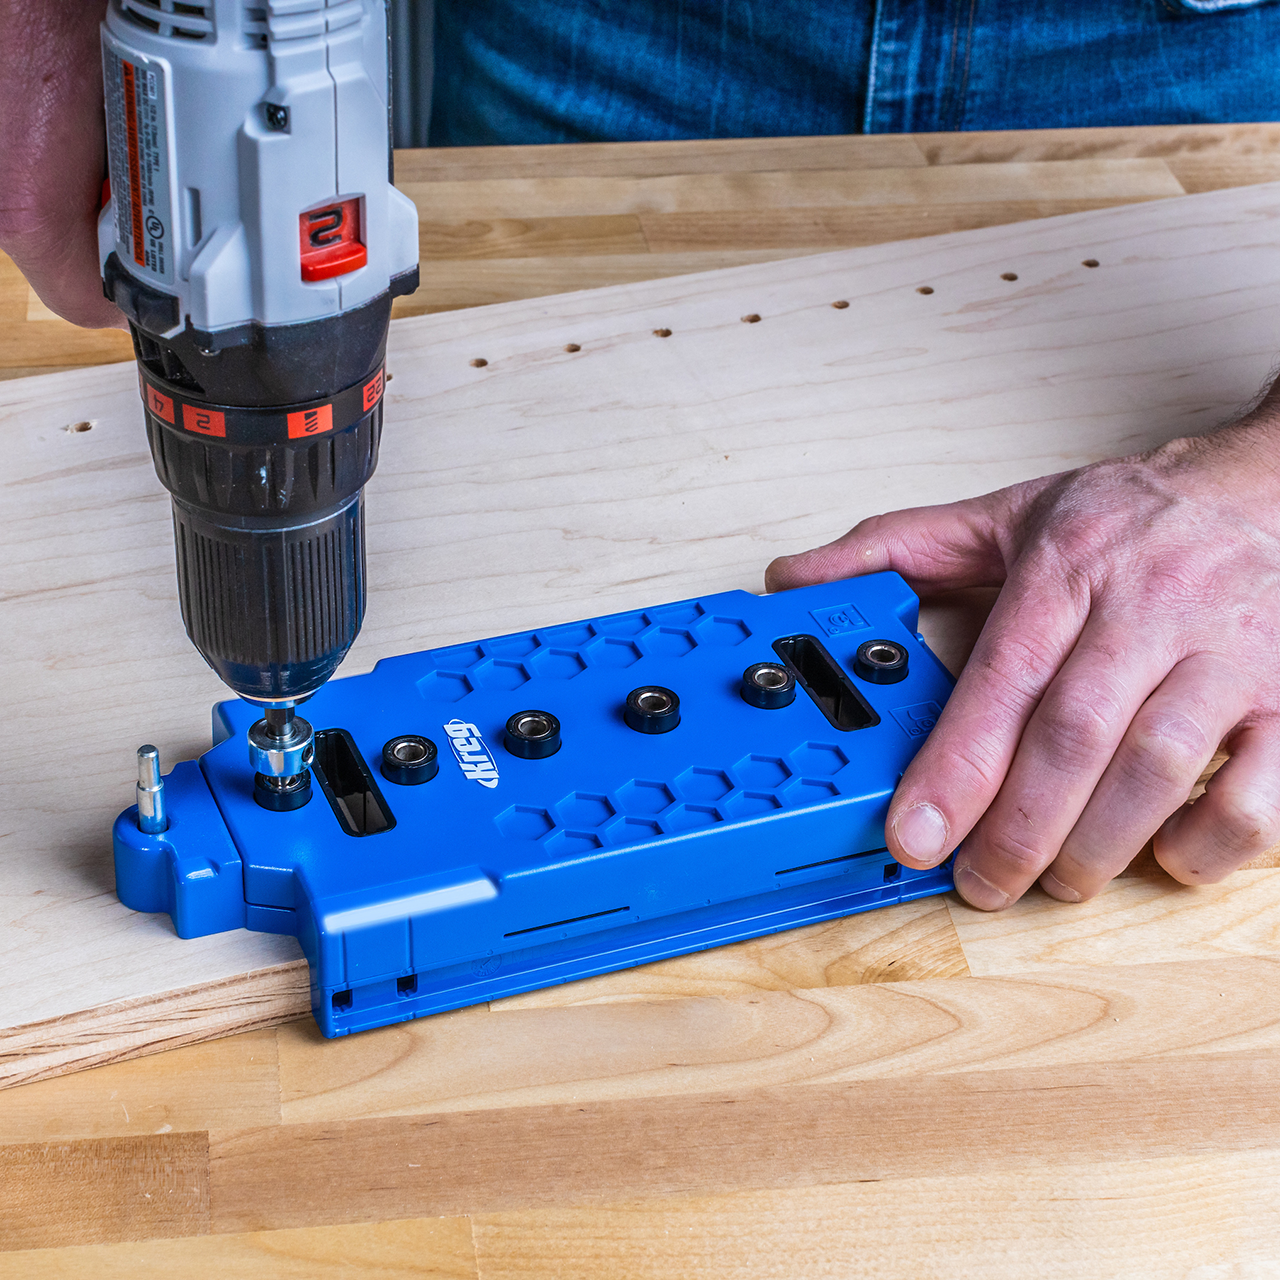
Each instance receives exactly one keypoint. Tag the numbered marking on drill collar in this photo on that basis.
(262, 426)
(311, 422)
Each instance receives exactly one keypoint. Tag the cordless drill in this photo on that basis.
(255, 242)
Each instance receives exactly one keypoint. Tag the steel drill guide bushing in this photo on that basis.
(409, 760)
(532, 735)
(511, 872)
(881, 661)
(768, 685)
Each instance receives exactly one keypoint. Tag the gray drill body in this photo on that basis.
(255, 242)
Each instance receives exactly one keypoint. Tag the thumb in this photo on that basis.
(961, 544)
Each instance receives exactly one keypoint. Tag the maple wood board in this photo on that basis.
(741, 200)
(550, 484)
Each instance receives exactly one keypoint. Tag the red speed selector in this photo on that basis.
(330, 241)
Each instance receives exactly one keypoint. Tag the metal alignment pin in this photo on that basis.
(152, 818)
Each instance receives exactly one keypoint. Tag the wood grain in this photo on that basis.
(469, 282)
(116, 1030)
(1206, 1217)
(1167, 142)
(422, 1249)
(901, 943)
(657, 159)
(649, 1048)
(790, 189)
(1132, 921)
(563, 237)
(839, 226)
(217, 1084)
(591, 1153)
(99, 1190)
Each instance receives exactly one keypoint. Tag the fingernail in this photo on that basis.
(921, 833)
(1056, 889)
(978, 892)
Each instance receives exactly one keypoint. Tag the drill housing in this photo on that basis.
(254, 242)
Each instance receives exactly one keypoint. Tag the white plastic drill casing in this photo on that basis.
(216, 177)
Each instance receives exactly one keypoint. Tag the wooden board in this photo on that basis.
(549, 484)
(543, 243)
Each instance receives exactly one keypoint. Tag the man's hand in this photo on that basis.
(52, 160)
(1138, 627)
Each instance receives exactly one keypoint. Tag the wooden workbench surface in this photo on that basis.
(921, 1091)
(521, 222)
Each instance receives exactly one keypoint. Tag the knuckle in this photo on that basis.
(1192, 865)
(1019, 665)
(1166, 753)
(976, 765)
(1077, 725)
(870, 526)
(1176, 582)
(1247, 818)
(1072, 543)
(1024, 861)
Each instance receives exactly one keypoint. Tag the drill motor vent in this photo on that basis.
(170, 19)
(279, 21)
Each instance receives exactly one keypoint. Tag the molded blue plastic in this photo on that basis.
(503, 874)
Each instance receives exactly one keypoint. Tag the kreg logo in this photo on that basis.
(473, 757)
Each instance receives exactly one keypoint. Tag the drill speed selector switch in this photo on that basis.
(529, 809)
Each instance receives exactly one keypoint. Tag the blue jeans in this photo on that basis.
(521, 71)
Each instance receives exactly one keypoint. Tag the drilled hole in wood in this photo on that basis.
(662, 333)
(840, 306)
(925, 288)
(77, 427)
(751, 319)
(479, 362)
(572, 346)
(1090, 262)
(1008, 275)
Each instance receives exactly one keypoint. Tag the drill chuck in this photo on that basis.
(272, 607)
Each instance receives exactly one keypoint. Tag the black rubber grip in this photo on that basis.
(272, 609)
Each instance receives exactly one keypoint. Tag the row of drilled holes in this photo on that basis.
(480, 362)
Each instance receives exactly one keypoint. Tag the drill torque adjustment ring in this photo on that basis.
(152, 819)
(769, 686)
(652, 709)
(533, 735)
(409, 760)
(881, 662)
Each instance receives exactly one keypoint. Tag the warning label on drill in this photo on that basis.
(138, 156)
